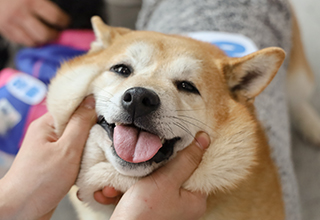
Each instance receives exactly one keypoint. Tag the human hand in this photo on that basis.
(160, 196)
(108, 195)
(31, 22)
(46, 166)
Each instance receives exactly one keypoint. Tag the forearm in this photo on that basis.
(10, 207)
(16, 193)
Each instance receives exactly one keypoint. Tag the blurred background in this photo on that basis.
(306, 157)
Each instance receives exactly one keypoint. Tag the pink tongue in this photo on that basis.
(134, 146)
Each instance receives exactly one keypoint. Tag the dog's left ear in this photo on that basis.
(104, 34)
(248, 76)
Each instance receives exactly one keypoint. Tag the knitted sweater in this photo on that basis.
(267, 23)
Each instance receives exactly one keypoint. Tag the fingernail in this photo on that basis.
(202, 140)
(89, 102)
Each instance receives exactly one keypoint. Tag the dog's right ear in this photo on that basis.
(104, 34)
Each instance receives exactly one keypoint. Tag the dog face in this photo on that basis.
(154, 92)
(151, 104)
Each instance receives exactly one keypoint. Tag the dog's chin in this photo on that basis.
(164, 154)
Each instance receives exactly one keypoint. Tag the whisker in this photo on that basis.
(169, 128)
(186, 121)
(193, 124)
(189, 110)
(184, 128)
(103, 102)
(189, 122)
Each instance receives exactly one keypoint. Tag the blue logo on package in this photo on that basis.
(230, 48)
(27, 89)
(234, 45)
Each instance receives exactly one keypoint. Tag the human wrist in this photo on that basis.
(16, 197)
(9, 208)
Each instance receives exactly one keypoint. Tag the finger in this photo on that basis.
(181, 168)
(50, 13)
(43, 128)
(16, 34)
(99, 197)
(81, 121)
(45, 119)
(110, 192)
(37, 30)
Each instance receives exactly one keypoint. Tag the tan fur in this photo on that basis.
(236, 171)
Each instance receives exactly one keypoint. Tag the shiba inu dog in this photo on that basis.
(153, 93)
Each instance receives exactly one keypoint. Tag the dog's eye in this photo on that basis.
(122, 69)
(187, 87)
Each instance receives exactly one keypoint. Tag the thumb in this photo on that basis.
(80, 123)
(183, 165)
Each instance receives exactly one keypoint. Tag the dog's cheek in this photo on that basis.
(66, 92)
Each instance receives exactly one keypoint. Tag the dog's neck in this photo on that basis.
(261, 181)
(237, 166)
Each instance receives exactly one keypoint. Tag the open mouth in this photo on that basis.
(135, 145)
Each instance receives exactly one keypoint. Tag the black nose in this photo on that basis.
(139, 101)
